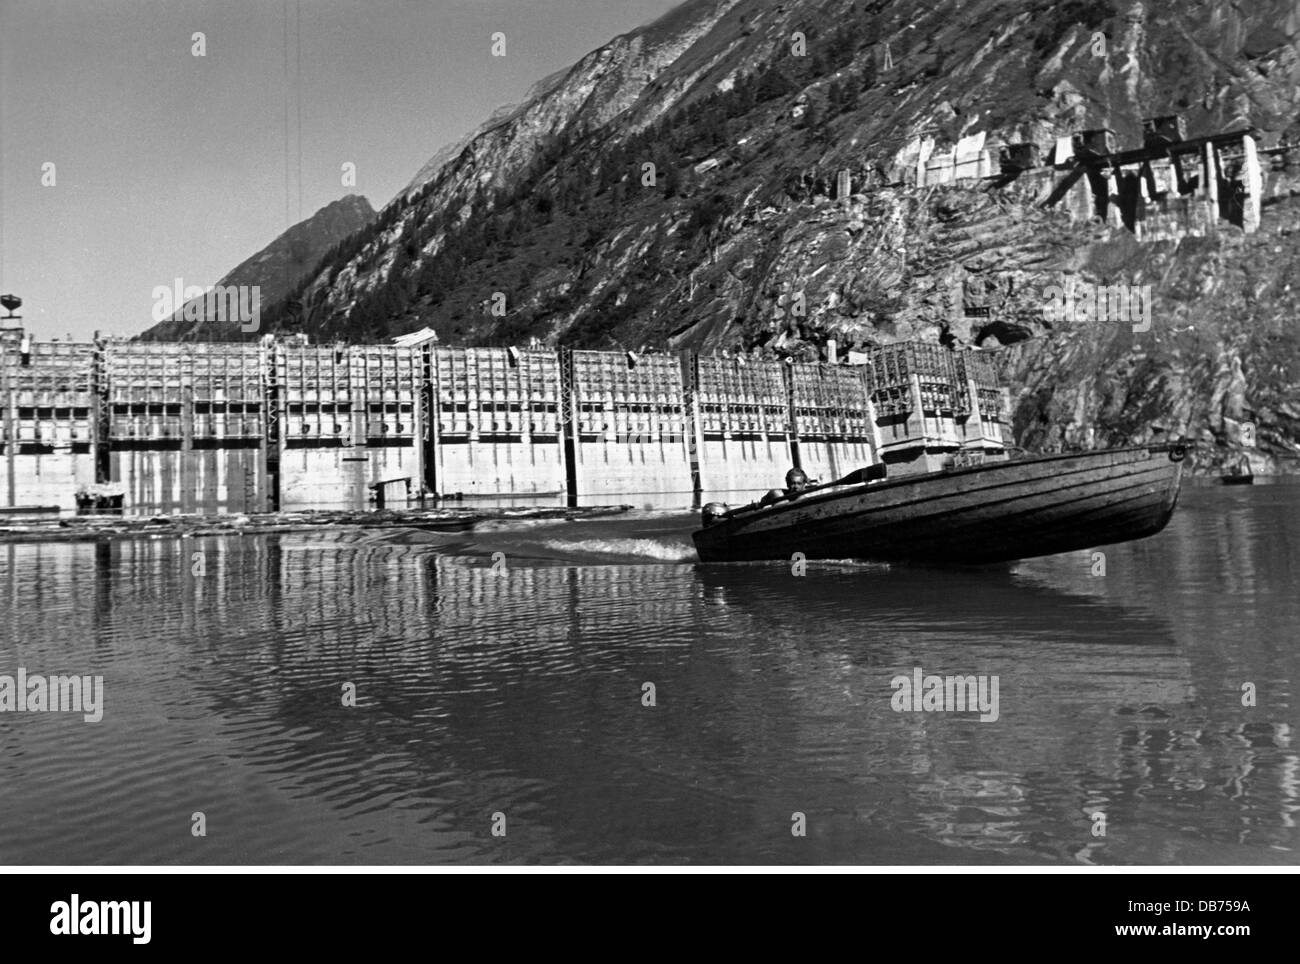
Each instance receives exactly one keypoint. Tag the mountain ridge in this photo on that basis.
(274, 269)
(734, 239)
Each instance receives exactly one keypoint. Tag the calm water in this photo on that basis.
(520, 691)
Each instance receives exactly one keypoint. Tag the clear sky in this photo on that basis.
(169, 165)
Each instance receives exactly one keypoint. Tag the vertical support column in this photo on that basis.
(102, 414)
(1180, 174)
(250, 490)
(360, 388)
(519, 408)
(918, 403)
(188, 469)
(8, 398)
(273, 422)
(252, 464)
(1114, 198)
(869, 410)
(973, 431)
(1253, 180)
(569, 426)
(1211, 180)
(690, 363)
(428, 426)
(873, 426)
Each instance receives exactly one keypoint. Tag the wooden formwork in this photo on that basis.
(47, 424)
(497, 421)
(184, 426)
(984, 409)
(832, 420)
(241, 427)
(349, 420)
(742, 416)
(628, 424)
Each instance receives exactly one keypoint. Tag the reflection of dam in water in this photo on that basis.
(520, 688)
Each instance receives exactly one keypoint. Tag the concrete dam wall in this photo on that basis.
(260, 427)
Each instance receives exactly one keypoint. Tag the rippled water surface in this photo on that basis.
(513, 684)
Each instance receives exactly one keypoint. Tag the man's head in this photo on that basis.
(796, 480)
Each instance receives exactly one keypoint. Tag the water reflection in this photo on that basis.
(363, 500)
(518, 688)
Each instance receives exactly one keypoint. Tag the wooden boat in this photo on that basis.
(1239, 474)
(995, 512)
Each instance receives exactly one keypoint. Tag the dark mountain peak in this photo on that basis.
(276, 269)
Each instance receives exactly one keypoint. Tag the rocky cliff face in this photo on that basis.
(276, 269)
(677, 188)
(1223, 352)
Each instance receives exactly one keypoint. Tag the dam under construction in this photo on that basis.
(277, 425)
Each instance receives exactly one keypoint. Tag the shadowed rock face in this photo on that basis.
(277, 268)
(735, 242)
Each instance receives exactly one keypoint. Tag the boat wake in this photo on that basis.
(621, 541)
(622, 549)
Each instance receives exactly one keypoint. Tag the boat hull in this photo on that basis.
(990, 513)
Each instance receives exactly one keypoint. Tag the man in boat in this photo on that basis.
(796, 481)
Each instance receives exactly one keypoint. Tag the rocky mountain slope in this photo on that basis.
(675, 188)
(277, 268)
